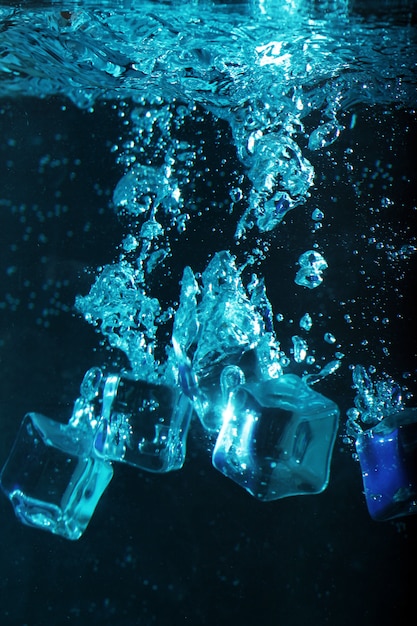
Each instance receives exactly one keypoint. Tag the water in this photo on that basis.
(238, 177)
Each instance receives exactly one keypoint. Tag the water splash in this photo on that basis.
(282, 75)
(125, 314)
(375, 400)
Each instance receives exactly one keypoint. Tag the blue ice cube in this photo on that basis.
(388, 458)
(52, 477)
(277, 438)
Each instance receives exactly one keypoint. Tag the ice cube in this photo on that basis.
(53, 478)
(277, 438)
(143, 424)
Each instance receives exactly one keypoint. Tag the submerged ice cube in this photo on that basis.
(388, 458)
(143, 424)
(53, 478)
(306, 322)
(134, 421)
(277, 438)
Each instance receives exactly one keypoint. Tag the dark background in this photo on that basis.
(191, 547)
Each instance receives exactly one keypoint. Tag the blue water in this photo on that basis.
(138, 139)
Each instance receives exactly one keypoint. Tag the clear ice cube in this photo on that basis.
(277, 438)
(143, 424)
(52, 477)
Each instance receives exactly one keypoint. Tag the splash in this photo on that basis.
(285, 77)
(375, 401)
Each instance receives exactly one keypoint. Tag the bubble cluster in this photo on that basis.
(312, 265)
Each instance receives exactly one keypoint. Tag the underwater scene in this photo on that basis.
(208, 345)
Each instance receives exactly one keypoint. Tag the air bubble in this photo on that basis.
(317, 215)
(306, 322)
